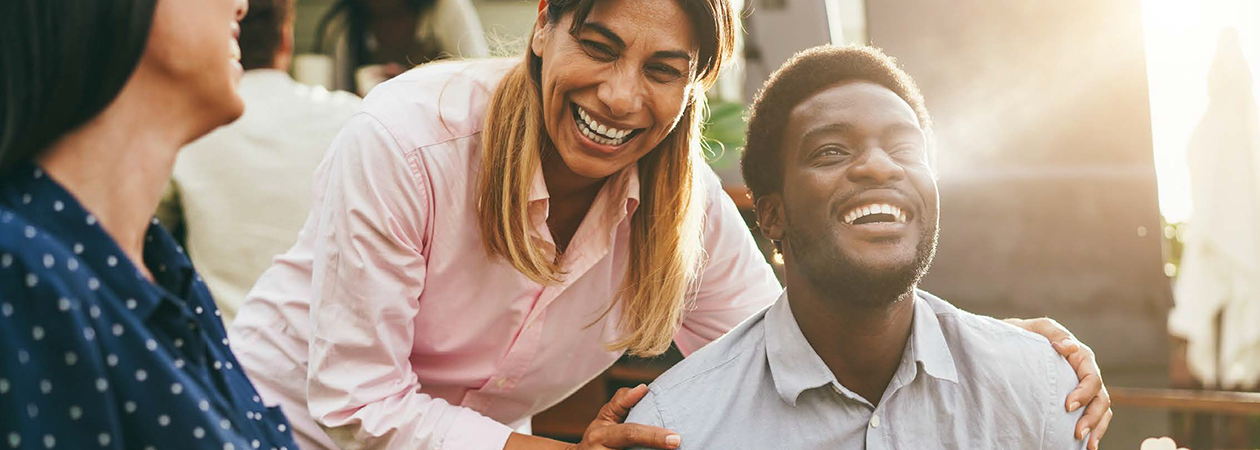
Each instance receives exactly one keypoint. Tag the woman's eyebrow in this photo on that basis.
(610, 35)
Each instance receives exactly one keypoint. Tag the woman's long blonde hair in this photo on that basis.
(665, 231)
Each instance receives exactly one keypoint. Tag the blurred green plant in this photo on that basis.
(723, 136)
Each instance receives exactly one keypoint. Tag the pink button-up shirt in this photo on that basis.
(389, 326)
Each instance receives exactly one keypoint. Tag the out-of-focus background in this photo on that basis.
(1097, 162)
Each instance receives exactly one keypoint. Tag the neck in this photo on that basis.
(860, 339)
(563, 184)
(118, 164)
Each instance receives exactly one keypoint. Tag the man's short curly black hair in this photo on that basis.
(805, 74)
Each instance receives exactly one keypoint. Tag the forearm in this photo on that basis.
(518, 441)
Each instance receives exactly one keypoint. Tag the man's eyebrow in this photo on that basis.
(836, 127)
(902, 128)
(610, 35)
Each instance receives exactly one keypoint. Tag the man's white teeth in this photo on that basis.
(599, 132)
(879, 208)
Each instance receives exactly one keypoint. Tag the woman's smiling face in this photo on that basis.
(615, 89)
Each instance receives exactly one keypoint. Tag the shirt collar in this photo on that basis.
(929, 347)
(44, 203)
(796, 367)
(623, 185)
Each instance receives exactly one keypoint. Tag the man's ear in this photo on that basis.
(771, 217)
(541, 33)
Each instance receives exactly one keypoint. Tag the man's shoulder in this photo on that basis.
(1001, 367)
(715, 362)
(690, 398)
(996, 357)
(966, 329)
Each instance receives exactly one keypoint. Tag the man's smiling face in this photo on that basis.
(858, 209)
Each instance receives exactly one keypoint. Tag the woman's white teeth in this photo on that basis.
(879, 208)
(599, 132)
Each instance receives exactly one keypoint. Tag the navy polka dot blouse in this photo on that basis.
(93, 355)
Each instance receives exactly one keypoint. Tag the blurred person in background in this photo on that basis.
(239, 195)
(108, 338)
(374, 40)
(489, 235)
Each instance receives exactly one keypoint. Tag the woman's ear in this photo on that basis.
(538, 41)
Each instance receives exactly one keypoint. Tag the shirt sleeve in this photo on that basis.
(1060, 430)
(735, 281)
(54, 388)
(369, 271)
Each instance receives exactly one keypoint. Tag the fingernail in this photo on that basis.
(1073, 407)
(673, 440)
(1084, 433)
(1066, 342)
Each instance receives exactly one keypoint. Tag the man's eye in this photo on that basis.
(906, 151)
(832, 150)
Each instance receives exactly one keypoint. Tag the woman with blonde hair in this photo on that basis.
(487, 236)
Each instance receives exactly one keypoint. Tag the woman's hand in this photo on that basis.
(1091, 391)
(607, 430)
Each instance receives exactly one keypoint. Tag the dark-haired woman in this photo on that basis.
(374, 40)
(108, 338)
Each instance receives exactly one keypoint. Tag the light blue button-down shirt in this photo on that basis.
(964, 382)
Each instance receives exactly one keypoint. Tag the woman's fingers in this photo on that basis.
(1096, 418)
(1065, 347)
(629, 435)
(1044, 326)
(618, 408)
(1102, 429)
(1091, 386)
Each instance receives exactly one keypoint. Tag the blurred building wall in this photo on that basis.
(1048, 185)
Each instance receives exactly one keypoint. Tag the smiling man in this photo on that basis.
(852, 355)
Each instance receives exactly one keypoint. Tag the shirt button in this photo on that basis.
(875, 421)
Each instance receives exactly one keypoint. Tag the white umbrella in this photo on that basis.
(1217, 293)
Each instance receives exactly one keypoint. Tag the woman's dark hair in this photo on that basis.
(262, 31)
(353, 18)
(61, 63)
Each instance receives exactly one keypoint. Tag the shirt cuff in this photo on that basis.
(473, 431)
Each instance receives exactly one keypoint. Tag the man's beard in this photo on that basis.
(834, 273)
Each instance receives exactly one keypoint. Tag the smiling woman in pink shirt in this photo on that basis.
(487, 236)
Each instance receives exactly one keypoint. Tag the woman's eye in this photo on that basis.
(664, 72)
(598, 51)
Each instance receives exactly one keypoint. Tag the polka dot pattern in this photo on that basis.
(102, 357)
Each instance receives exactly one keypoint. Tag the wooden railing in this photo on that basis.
(1186, 400)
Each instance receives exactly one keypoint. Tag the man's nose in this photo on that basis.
(876, 166)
